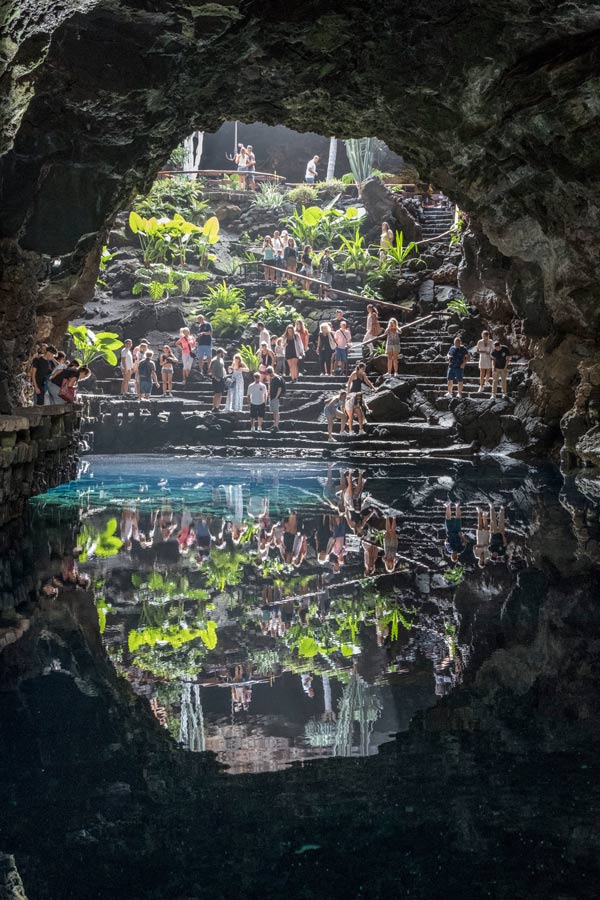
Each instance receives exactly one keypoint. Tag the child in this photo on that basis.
(279, 351)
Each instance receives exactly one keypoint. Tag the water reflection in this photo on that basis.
(274, 615)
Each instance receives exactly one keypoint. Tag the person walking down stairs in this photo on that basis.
(392, 346)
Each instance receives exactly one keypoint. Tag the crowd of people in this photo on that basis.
(54, 378)
(493, 358)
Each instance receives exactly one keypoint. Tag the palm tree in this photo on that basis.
(332, 159)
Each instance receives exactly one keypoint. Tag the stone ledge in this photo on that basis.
(60, 409)
(14, 423)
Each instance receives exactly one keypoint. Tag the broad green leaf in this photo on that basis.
(110, 357)
(136, 223)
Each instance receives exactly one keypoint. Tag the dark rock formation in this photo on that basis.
(499, 112)
(383, 206)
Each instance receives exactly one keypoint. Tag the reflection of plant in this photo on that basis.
(175, 635)
(91, 345)
(264, 662)
(454, 575)
(225, 568)
(95, 542)
(103, 609)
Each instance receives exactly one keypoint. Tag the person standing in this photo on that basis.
(334, 409)
(291, 256)
(392, 346)
(279, 351)
(484, 349)
(167, 360)
(42, 367)
(386, 239)
(326, 273)
(307, 267)
(217, 373)
(126, 366)
(147, 374)
(235, 392)
(342, 338)
(354, 395)
(373, 324)
(457, 360)
(251, 167)
(311, 170)
(325, 345)
(276, 392)
(302, 330)
(268, 260)
(241, 161)
(500, 361)
(139, 353)
(203, 334)
(187, 343)
(257, 394)
(266, 358)
(263, 334)
(294, 350)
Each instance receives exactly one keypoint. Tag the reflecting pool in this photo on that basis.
(347, 674)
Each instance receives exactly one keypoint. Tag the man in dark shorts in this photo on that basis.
(257, 394)
(455, 541)
(217, 373)
(202, 331)
(500, 361)
(42, 367)
(457, 360)
(276, 391)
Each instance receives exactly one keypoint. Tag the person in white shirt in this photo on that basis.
(311, 170)
(484, 348)
(263, 335)
(126, 365)
(257, 394)
(342, 338)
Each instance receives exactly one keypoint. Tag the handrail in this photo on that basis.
(220, 172)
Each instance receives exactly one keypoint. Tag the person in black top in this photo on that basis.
(327, 270)
(276, 390)
(500, 361)
(354, 396)
(203, 333)
(291, 256)
(42, 367)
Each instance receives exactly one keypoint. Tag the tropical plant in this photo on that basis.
(105, 258)
(168, 196)
(269, 196)
(103, 609)
(101, 543)
(356, 256)
(398, 253)
(454, 575)
(91, 346)
(378, 349)
(229, 266)
(304, 193)
(177, 156)
(223, 296)
(319, 227)
(229, 322)
(276, 316)
(250, 357)
(175, 635)
(458, 228)
(348, 178)
(168, 239)
(225, 568)
(361, 152)
(459, 306)
(160, 281)
(231, 182)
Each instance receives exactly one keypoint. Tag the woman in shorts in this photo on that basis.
(187, 344)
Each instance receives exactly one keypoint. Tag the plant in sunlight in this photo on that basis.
(105, 258)
(160, 282)
(459, 306)
(304, 193)
(354, 253)
(91, 345)
(169, 239)
(361, 152)
(103, 609)
(96, 542)
(399, 252)
(222, 296)
(250, 357)
(269, 196)
(168, 196)
(458, 228)
(229, 322)
(275, 316)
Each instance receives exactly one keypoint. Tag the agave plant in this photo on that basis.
(398, 253)
(361, 152)
(269, 196)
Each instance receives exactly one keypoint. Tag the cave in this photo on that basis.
(456, 745)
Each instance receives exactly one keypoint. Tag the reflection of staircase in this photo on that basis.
(436, 220)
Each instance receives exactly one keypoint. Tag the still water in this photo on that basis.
(408, 656)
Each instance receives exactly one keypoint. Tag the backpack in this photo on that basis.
(332, 343)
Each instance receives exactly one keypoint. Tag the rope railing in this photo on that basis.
(222, 172)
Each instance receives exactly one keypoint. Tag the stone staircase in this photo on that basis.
(436, 220)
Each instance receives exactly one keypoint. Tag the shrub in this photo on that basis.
(91, 346)
(172, 195)
(230, 321)
(223, 296)
(304, 193)
(276, 316)
(250, 356)
(269, 196)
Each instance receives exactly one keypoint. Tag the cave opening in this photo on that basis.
(299, 449)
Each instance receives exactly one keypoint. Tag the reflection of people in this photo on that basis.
(489, 523)
(307, 687)
(455, 540)
(390, 543)
(370, 556)
(498, 540)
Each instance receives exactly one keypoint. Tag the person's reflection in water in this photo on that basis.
(489, 523)
(370, 555)
(323, 535)
(186, 535)
(338, 549)
(455, 542)
(390, 544)
(69, 575)
(307, 680)
(292, 542)
(129, 526)
(204, 538)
